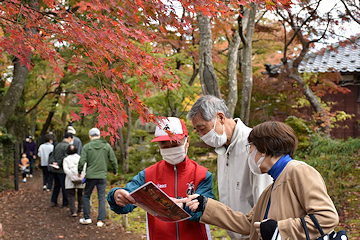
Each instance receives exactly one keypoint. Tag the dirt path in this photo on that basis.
(26, 214)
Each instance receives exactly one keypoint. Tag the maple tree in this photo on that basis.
(299, 26)
(108, 39)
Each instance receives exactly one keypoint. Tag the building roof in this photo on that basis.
(343, 58)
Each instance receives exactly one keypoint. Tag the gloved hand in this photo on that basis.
(196, 202)
(202, 203)
(267, 229)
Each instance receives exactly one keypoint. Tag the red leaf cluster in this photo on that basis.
(108, 39)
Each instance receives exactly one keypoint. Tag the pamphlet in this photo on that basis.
(157, 203)
(54, 166)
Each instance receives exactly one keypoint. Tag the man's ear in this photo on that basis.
(221, 117)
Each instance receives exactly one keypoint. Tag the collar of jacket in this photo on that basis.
(279, 166)
(181, 165)
(235, 136)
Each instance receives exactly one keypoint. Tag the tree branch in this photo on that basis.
(38, 102)
(349, 12)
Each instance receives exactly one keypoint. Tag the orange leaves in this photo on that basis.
(107, 39)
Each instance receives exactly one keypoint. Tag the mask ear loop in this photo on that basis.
(215, 126)
(186, 148)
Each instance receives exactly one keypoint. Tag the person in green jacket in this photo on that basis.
(96, 155)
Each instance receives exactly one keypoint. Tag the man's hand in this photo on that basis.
(122, 197)
(179, 201)
(192, 203)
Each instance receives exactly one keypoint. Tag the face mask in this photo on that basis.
(255, 167)
(213, 139)
(27, 140)
(72, 142)
(174, 155)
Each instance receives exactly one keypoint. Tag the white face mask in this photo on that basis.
(27, 139)
(255, 167)
(72, 142)
(174, 155)
(213, 139)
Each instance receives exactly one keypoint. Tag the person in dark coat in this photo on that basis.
(30, 148)
(56, 160)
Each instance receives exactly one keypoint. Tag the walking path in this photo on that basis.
(27, 214)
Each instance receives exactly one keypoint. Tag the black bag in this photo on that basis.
(340, 235)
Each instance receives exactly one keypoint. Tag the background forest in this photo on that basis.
(120, 65)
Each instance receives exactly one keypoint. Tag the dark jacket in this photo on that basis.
(30, 149)
(58, 156)
(96, 154)
(78, 144)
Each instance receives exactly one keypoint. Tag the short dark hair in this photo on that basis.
(72, 149)
(48, 137)
(67, 135)
(274, 138)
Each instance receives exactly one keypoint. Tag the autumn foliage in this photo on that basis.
(110, 40)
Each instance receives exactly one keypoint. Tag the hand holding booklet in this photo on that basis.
(157, 203)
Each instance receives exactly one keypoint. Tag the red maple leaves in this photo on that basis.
(108, 39)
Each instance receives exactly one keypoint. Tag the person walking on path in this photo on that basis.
(56, 159)
(77, 141)
(44, 151)
(24, 164)
(238, 187)
(70, 165)
(178, 175)
(96, 155)
(30, 148)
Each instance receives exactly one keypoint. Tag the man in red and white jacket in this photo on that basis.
(176, 175)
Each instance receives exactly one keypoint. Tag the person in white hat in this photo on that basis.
(96, 155)
(177, 176)
(77, 142)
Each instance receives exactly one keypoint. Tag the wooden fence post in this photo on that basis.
(107, 210)
(16, 168)
(125, 221)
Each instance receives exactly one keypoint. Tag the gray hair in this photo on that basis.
(208, 106)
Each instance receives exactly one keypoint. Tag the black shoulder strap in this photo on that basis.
(305, 228)
(316, 224)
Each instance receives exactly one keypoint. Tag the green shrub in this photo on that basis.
(302, 131)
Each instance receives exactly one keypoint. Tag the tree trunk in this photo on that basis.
(233, 57)
(10, 100)
(208, 79)
(124, 143)
(247, 63)
(52, 112)
(33, 122)
(315, 103)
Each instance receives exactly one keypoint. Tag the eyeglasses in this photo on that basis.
(248, 147)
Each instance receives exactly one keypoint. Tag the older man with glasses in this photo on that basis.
(238, 187)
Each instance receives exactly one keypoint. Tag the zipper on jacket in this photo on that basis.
(177, 226)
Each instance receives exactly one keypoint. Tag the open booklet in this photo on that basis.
(153, 200)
